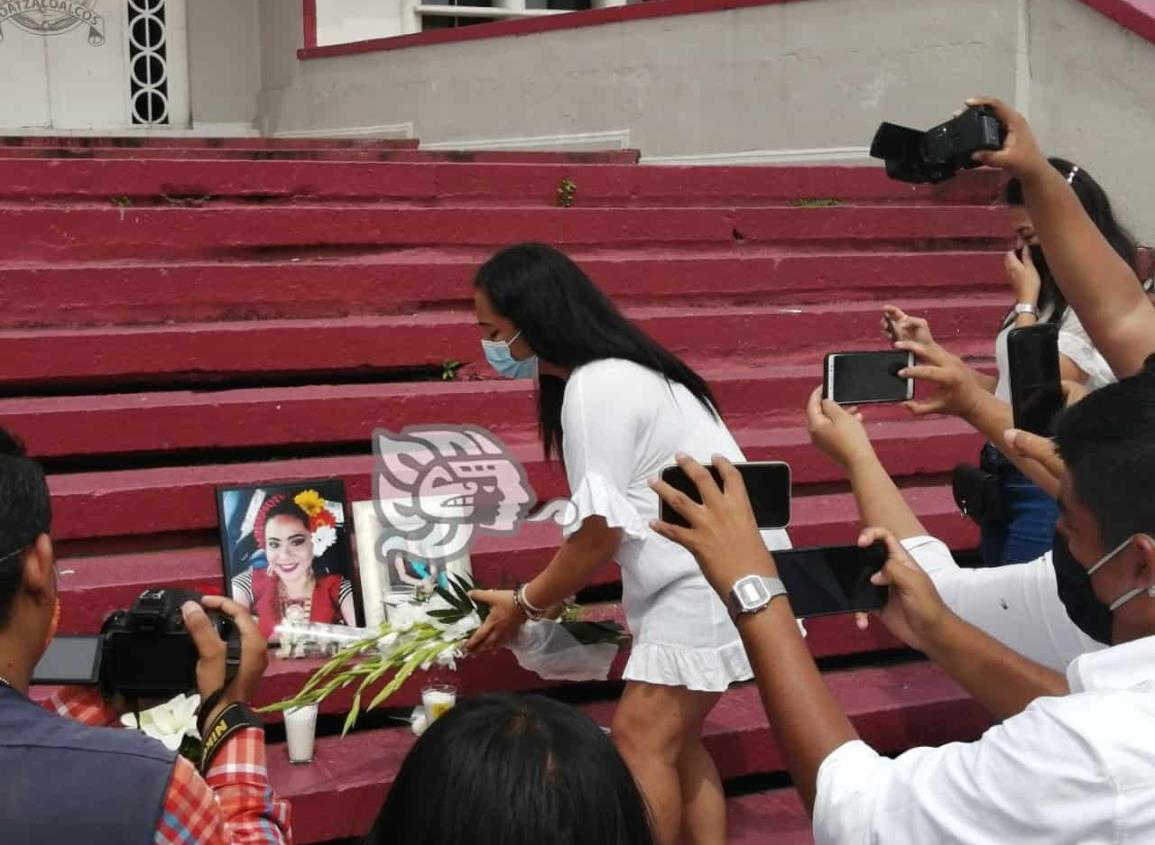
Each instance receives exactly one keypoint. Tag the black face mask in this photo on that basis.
(1090, 615)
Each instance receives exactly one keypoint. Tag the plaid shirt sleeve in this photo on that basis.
(232, 804)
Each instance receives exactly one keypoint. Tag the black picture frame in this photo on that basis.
(238, 508)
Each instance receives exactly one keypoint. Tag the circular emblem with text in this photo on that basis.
(53, 17)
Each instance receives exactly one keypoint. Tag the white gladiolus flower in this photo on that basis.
(170, 722)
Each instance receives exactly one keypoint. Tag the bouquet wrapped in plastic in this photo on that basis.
(420, 634)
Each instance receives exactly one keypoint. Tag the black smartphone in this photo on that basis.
(1036, 385)
(767, 485)
(864, 378)
(830, 580)
(69, 660)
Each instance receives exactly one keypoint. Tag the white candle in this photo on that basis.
(301, 732)
(437, 701)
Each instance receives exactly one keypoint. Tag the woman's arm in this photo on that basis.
(1098, 284)
(585, 552)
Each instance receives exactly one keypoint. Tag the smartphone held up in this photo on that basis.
(1036, 381)
(767, 485)
(866, 378)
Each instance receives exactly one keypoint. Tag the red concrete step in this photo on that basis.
(261, 417)
(450, 184)
(194, 352)
(340, 792)
(136, 142)
(174, 499)
(398, 282)
(97, 584)
(830, 636)
(307, 153)
(762, 818)
(91, 233)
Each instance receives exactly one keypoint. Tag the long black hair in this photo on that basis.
(568, 322)
(516, 771)
(1098, 207)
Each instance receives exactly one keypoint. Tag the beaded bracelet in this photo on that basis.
(531, 612)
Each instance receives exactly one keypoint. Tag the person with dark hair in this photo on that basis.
(294, 532)
(68, 780)
(1070, 760)
(1023, 528)
(617, 406)
(1095, 278)
(517, 771)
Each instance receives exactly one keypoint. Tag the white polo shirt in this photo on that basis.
(1017, 604)
(1077, 769)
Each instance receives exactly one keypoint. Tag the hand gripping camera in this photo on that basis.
(142, 652)
(939, 153)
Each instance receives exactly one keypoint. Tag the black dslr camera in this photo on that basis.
(937, 154)
(147, 652)
(142, 652)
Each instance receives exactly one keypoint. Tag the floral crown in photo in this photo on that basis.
(322, 514)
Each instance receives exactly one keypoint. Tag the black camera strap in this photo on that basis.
(235, 717)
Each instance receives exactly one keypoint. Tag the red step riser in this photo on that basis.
(340, 793)
(779, 810)
(147, 422)
(173, 500)
(447, 183)
(326, 155)
(131, 144)
(95, 233)
(97, 586)
(46, 357)
(128, 294)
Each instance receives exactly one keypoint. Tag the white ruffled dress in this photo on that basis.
(622, 425)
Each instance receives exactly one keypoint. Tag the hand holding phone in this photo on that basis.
(862, 378)
(767, 486)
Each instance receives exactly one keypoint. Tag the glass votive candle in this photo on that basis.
(437, 701)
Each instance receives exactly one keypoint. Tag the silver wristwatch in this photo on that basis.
(752, 594)
(1026, 308)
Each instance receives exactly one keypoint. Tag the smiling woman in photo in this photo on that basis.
(294, 532)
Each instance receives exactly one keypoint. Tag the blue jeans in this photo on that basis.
(1029, 530)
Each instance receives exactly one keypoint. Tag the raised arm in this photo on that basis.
(1097, 283)
(840, 435)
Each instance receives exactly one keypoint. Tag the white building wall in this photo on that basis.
(1093, 101)
(225, 63)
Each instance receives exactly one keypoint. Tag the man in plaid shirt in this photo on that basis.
(73, 779)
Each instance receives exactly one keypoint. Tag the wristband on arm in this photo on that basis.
(235, 717)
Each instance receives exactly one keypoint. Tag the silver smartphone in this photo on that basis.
(864, 378)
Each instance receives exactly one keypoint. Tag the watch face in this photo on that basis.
(751, 593)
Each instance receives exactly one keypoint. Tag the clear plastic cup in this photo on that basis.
(301, 733)
(437, 701)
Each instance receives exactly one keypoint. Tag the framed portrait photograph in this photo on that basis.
(393, 569)
(287, 554)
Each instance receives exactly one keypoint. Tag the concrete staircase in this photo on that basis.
(181, 314)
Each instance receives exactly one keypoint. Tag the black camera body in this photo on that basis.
(939, 153)
(146, 651)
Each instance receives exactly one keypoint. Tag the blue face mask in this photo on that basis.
(501, 359)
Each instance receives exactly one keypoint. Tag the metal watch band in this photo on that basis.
(1026, 308)
(770, 587)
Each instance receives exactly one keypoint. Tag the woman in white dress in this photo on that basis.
(616, 407)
